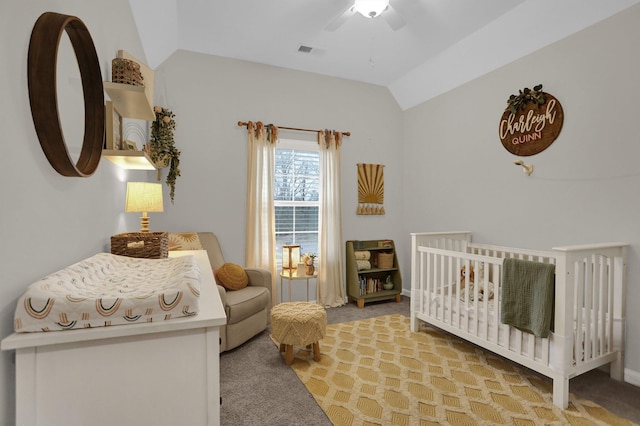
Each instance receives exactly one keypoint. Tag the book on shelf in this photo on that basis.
(370, 285)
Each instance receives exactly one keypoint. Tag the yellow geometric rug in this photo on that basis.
(377, 372)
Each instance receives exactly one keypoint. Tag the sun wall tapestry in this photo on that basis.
(370, 189)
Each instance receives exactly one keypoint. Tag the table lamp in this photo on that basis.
(290, 257)
(144, 197)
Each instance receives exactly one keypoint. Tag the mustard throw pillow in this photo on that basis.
(231, 276)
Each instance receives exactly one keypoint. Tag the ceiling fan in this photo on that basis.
(369, 9)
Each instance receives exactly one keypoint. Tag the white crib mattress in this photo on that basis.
(463, 315)
(106, 290)
(467, 310)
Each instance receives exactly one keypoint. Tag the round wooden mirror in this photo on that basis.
(41, 65)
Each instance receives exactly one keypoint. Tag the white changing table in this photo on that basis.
(161, 373)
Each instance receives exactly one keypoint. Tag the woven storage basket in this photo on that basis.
(385, 260)
(125, 71)
(148, 245)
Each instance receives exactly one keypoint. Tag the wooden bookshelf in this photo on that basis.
(366, 284)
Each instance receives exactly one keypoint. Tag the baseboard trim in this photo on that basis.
(632, 377)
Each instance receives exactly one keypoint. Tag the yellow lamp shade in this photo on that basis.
(144, 197)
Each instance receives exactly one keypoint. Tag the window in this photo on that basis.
(296, 195)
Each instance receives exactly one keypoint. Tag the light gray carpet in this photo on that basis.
(257, 387)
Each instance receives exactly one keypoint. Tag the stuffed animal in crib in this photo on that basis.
(481, 284)
(463, 276)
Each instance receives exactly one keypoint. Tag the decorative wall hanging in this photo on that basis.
(531, 122)
(370, 189)
(41, 71)
(136, 131)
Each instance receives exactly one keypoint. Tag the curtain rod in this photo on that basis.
(244, 124)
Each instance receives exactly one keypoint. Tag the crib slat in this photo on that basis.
(506, 333)
(531, 346)
(432, 280)
(579, 312)
(518, 345)
(450, 286)
(445, 287)
(588, 307)
(454, 290)
(436, 303)
(458, 302)
(497, 277)
(422, 291)
(611, 299)
(428, 280)
(602, 307)
(440, 290)
(604, 303)
(486, 268)
(433, 290)
(469, 304)
(441, 283)
(473, 314)
(598, 315)
(604, 291)
(596, 309)
(545, 351)
(464, 301)
(455, 302)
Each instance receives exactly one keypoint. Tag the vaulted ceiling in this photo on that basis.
(441, 44)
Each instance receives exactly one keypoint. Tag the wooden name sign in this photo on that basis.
(531, 122)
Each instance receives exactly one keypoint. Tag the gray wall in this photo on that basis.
(585, 185)
(209, 95)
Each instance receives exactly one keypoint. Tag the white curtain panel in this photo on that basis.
(330, 288)
(260, 231)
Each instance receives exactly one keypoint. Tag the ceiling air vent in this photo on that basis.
(304, 49)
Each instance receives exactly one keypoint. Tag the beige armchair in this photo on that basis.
(248, 310)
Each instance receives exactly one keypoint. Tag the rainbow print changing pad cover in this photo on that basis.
(108, 289)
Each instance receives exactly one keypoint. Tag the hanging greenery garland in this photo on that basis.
(518, 102)
(161, 147)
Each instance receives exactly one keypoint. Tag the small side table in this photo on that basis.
(284, 275)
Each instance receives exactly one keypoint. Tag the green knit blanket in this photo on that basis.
(527, 295)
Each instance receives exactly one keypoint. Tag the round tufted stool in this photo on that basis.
(298, 324)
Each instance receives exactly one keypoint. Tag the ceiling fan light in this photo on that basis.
(370, 8)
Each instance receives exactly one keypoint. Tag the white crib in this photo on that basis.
(589, 313)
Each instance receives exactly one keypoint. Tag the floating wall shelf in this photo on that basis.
(131, 102)
(131, 160)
